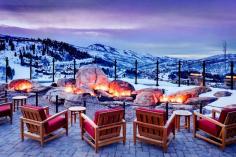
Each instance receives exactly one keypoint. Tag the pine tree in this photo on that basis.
(12, 45)
(33, 48)
(21, 58)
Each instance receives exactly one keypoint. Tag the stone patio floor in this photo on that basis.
(184, 145)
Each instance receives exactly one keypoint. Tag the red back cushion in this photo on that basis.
(158, 111)
(224, 113)
(38, 109)
(97, 113)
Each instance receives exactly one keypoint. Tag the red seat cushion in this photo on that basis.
(224, 113)
(89, 129)
(208, 127)
(54, 124)
(39, 109)
(5, 110)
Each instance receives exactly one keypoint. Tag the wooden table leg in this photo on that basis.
(24, 101)
(188, 123)
(17, 101)
(14, 103)
(71, 118)
(74, 117)
(18, 104)
(178, 123)
(80, 124)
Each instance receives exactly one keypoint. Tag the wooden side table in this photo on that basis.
(18, 101)
(186, 114)
(75, 110)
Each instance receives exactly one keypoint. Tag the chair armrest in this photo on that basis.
(46, 109)
(5, 99)
(170, 121)
(30, 121)
(230, 126)
(209, 119)
(84, 117)
(65, 112)
(6, 103)
(213, 112)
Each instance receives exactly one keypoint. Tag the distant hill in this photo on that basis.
(42, 51)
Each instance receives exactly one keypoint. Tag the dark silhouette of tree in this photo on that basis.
(33, 48)
(2, 45)
(21, 58)
(12, 45)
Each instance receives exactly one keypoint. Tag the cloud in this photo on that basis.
(156, 26)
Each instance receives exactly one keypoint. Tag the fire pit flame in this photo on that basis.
(174, 99)
(120, 93)
(21, 85)
(72, 89)
(101, 87)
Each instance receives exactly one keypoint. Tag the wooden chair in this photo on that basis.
(40, 124)
(3, 97)
(151, 127)
(222, 131)
(6, 109)
(104, 129)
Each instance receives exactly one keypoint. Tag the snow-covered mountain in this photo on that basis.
(20, 50)
(124, 58)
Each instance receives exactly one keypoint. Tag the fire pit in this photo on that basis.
(20, 85)
(73, 89)
(175, 98)
(120, 88)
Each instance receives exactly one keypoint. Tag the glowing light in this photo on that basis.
(174, 99)
(73, 89)
(196, 74)
(229, 77)
(164, 98)
(21, 85)
(101, 87)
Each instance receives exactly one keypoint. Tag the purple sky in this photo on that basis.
(182, 28)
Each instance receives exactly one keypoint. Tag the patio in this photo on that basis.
(183, 145)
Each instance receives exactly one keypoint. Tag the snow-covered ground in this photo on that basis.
(172, 88)
(23, 72)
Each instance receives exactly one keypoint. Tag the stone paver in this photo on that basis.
(184, 145)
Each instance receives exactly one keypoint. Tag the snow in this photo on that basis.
(20, 71)
(147, 83)
(172, 88)
(221, 102)
(23, 72)
(109, 54)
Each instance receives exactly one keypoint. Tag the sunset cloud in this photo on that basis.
(157, 27)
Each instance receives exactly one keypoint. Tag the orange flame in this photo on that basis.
(22, 86)
(118, 93)
(174, 99)
(73, 89)
(164, 98)
(100, 87)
